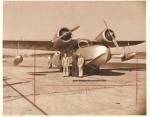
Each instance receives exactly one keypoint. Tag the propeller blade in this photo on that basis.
(75, 28)
(105, 24)
(62, 35)
(115, 43)
(113, 39)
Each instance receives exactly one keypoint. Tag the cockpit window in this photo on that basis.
(83, 44)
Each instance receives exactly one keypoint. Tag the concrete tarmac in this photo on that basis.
(119, 89)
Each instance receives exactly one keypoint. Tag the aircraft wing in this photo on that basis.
(42, 54)
(38, 45)
(124, 43)
(139, 55)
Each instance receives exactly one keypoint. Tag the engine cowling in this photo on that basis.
(62, 42)
(62, 31)
(18, 60)
(106, 36)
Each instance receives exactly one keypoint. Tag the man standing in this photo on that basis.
(65, 64)
(74, 64)
(80, 65)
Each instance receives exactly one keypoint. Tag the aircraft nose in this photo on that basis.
(101, 55)
(94, 52)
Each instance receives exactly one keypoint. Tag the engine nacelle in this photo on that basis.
(106, 36)
(63, 41)
(18, 60)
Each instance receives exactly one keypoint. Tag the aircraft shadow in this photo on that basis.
(110, 72)
(101, 72)
(29, 66)
(42, 72)
(37, 74)
(107, 72)
(126, 66)
(129, 69)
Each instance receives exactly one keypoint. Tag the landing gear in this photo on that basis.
(91, 70)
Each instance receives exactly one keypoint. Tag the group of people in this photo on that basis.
(72, 65)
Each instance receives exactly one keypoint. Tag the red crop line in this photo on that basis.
(136, 81)
(96, 85)
(142, 77)
(34, 75)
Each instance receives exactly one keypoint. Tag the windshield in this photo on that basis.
(83, 44)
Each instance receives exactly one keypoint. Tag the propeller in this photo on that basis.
(66, 33)
(111, 34)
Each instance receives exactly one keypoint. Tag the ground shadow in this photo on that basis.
(108, 72)
(29, 66)
(130, 69)
(42, 72)
(125, 66)
(103, 72)
(37, 74)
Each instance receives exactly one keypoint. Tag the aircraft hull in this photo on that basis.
(95, 55)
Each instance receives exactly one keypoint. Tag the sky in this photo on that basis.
(35, 20)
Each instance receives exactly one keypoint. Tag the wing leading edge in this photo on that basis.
(124, 43)
(38, 45)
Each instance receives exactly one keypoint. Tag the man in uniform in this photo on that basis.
(80, 65)
(74, 64)
(65, 64)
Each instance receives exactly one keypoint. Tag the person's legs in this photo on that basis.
(73, 70)
(64, 71)
(67, 71)
(76, 70)
(80, 71)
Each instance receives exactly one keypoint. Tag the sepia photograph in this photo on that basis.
(74, 58)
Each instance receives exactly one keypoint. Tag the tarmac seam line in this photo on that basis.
(26, 98)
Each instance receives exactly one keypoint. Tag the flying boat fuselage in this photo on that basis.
(95, 55)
